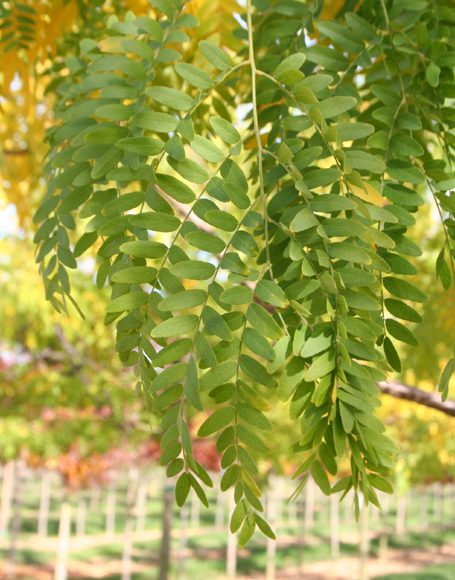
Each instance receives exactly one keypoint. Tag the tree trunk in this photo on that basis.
(335, 526)
(15, 525)
(219, 510)
(44, 503)
(271, 544)
(128, 531)
(231, 552)
(424, 510)
(110, 510)
(363, 542)
(184, 516)
(141, 506)
(95, 496)
(165, 550)
(195, 511)
(7, 497)
(292, 513)
(309, 506)
(64, 532)
(81, 516)
(400, 521)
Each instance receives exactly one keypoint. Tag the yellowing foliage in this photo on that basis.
(29, 38)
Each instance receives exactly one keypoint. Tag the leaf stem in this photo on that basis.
(258, 134)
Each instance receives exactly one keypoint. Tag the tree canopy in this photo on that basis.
(249, 196)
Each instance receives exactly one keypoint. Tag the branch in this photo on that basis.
(433, 400)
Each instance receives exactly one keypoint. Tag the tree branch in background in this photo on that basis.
(433, 400)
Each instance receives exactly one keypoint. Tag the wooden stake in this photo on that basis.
(335, 526)
(64, 532)
(44, 503)
(231, 552)
(7, 497)
(166, 527)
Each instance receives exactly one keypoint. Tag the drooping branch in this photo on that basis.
(432, 400)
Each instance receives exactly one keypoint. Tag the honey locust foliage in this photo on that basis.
(272, 258)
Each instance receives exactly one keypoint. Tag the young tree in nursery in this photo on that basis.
(250, 209)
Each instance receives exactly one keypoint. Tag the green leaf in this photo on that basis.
(139, 47)
(114, 112)
(215, 56)
(193, 270)
(316, 344)
(175, 188)
(347, 39)
(321, 177)
(391, 355)
(218, 375)
(195, 76)
(404, 290)
(321, 366)
(215, 324)
(400, 332)
(221, 219)
(380, 483)
(106, 135)
(256, 371)
(238, 515)
(349, 252)
(217, 420)
(135, 275)
(169, 377)
(123, 203)
(347, 418)
(247, 531)
(110, 62)
(320, 478)
(303, 220)
(172, 98)
(129, 301)
(189, 170)
(263, 322)
(353, 131)
(292, 62)
(141, 145)
(237, 295)
(334, 106)
(264, 527)
(402, 310)
(206, 149)
(144, 249)
(254, 417)
(182, 300)
(191, 386)
(432, 74)
(206, 242)
(225, 130)
(173, 352)
(198, 489)
(365, 161)
(156, 221)
(404, 171)
(258, 344)
(107, 161)
(331, 202)
(271, 293)
(176, 326)
(182, 488)
(362, 301)
(158, 122)
(446, 375)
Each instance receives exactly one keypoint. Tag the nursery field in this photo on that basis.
(116, 532)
